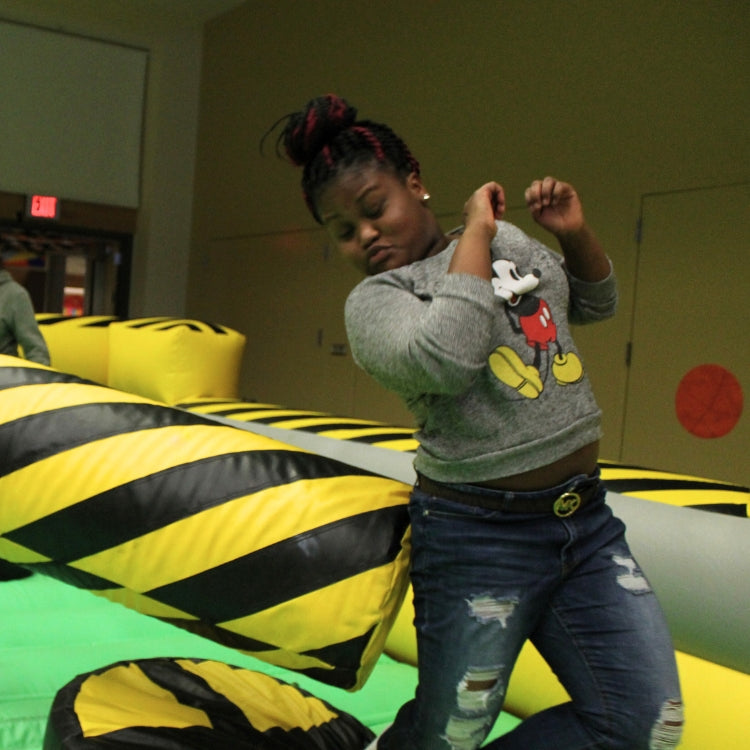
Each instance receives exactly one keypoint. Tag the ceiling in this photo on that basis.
(130, 15)
(199, 10)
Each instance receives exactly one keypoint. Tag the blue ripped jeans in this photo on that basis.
(485, 581)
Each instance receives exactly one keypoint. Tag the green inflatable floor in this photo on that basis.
(50, 632)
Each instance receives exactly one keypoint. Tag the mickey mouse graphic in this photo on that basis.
(529, 315)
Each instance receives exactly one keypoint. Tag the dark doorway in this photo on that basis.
(73, 272)
(79, 262)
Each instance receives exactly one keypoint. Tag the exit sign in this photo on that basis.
(42, 207)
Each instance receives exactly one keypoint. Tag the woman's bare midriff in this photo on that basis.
(582, 461)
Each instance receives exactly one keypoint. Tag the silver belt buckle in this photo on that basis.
(567, 504)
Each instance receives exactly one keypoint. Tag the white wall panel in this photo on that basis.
(72, 115)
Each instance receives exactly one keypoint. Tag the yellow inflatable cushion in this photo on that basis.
(165, 703)
(173, 359)
(78, 345)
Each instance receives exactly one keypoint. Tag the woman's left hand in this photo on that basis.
(555, 206)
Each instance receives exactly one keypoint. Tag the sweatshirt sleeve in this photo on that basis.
(592, 301)
(416, 346)
(27, 330)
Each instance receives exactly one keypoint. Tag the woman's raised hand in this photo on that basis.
(555, 205)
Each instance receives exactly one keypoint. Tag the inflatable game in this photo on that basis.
(242, 523)
(235, 536)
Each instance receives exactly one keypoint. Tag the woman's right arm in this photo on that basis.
(412, 346)
(481, 211)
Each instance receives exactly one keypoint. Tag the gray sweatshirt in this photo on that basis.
(489, 369)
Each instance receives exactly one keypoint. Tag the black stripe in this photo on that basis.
(33, 437)
(162, 738)
(12, 377)
(280, 417)
(209, 402)
(642, 484)
(217, 329)
(346, 656)
(381, 438)
(166, 324)
(76, 322)
(329, 424)
(220, 635)
(283, 571)
(144, 323)
(344, 653)
(342, 426)
(604, 464)
(245, 408)
(154, 501)
(73, 576)
(729, 509)
(191, 689)
(53, 321)
(182, 324)
(344, 732)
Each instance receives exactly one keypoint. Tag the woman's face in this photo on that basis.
(378, 220)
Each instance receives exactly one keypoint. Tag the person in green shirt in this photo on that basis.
(18, 326)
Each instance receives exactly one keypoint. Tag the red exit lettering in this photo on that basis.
(43, 207)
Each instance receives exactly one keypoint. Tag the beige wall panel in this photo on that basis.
(285, 293)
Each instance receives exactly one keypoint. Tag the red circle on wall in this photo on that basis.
(709, 401)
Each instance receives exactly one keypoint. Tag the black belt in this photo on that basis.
(562, 502)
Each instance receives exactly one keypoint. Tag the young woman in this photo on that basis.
(512, 538)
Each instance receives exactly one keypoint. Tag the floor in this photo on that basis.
(51, 632)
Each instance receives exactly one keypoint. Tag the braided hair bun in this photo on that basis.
(326, 137)
(307, 132)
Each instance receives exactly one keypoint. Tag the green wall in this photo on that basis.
(620, 98)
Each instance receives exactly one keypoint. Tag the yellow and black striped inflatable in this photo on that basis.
(361, 431)
(676, 489)
(165, 358)
(194, 704)
(294, 558)
(637, 481)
